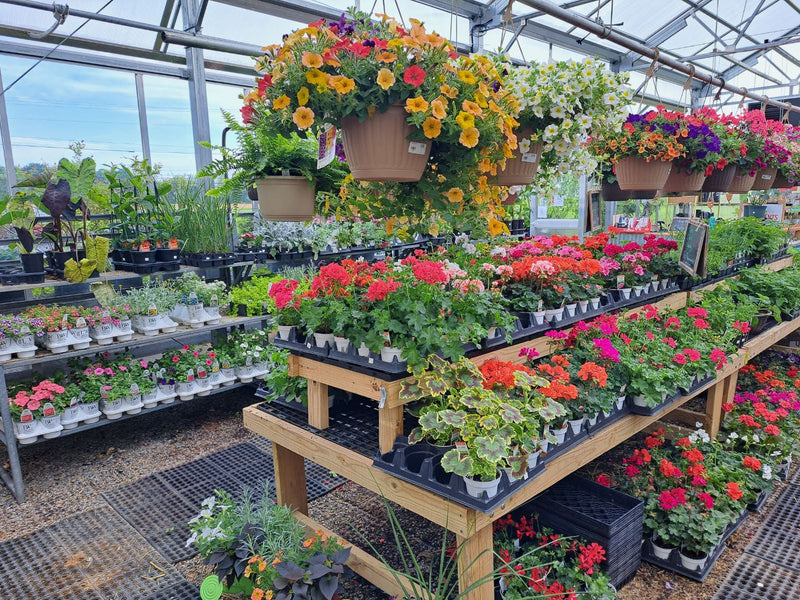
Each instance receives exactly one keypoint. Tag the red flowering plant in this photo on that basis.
(663, 254)
(535, 561)
(751, 130)
(288, 295)
(24, 396)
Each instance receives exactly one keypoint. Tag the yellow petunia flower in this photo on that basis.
(455, 194)
(416, 104)
(467, 77)
(303, 117)
(438, 109)
(449, 91)
(481, 100)
(343, 85)
(497, 227)
(472, 108)
(465, 120)
(386, 57)
(316, 77)
(312, 60)
(302, 96)
(431, 128)
(469, 137)
(385, 78)
(281, 102)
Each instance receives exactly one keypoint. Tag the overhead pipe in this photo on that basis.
(607, 33)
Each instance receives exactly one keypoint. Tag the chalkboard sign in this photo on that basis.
(593, 220)
(678, 224)
(695, 247)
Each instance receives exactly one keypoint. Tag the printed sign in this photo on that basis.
(327, 146)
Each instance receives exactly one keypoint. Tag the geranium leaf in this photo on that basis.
(491, 448)
(454, 418)
(457, 462)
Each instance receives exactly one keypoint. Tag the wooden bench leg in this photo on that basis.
(318, 405)
(290, 478)
(714, 399)
(475, 564)
(390, 425)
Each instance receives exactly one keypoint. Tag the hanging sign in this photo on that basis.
(327, 146)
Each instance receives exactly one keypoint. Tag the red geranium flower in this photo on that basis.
(415, 76)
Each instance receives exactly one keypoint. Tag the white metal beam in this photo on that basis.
(5, 139)
(142, 110)
(198, 98)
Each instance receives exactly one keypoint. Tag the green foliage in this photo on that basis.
(278, 382)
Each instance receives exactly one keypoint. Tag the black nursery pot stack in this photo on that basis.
(579, 507)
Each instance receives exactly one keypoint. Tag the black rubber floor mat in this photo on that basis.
(93, 555)
(753, 578)
(778, 540)
(160, 506)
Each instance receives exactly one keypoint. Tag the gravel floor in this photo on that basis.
(67, 476)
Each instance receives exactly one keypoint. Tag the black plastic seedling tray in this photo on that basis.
(650, 411)
(420, 464)
(673, 563)
(603, 421)
(148, 268)
(570, 440)
(21, 277)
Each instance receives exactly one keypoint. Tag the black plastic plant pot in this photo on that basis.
(57, 260)
(143, 258)
(167, 255)
(32, 262)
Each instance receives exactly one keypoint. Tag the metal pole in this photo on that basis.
(198, 98)
(142, 106)
(5, 140)
(583, 188)
(607, 33)
(211, 43)
(11, 443)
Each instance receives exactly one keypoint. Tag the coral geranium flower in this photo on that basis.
(385, 78)
(431, 128)
(415, 76)
(303, 117)
(469, 137)
(416, 104)
(281, 102)
(311, 60)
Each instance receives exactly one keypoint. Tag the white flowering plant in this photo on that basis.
(564, 103)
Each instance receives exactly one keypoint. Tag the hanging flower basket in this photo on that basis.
(742, 182)
(521, 169)
(682, 180)
(782, 183)
(610, 192)
(377, 149)
(634, 173)
(765, 178)
(719, 181)
(285, 198)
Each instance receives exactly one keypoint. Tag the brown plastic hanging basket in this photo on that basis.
(521, 169)
(377, 149)
(765, 178)
(610, 192)
(682, 180)
(719, 180)
(285, 198)
(634, 173)
(511, 199)
(782, 183)
(742, 181)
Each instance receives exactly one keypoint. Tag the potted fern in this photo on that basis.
(282, 168)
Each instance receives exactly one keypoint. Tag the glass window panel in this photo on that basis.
(169, 122)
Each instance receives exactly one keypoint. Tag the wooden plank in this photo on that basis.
(730, 386)
(363, 563)
(714, 400)
(769, 338)
(290, 478)
(318, 410)
(781, 264)
(345, 379)
(475, 563)
(359, 469)
(390, 425)
(684, 415)
(778, 265)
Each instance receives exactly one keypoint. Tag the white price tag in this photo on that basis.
(529, 157)
(417, 147)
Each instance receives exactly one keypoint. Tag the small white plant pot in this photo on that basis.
(533, 459)
(638, 290)
(134, 404)
(80, 338)
(214, 379)
(511, 478)
(195, 316)
(655, 285)
(166, 394)
(477, 488)
(592, 421)
(25, 346)
(228, 375)
(323, 339)
(26, 433)
(167, 325)
(185, 390)
(389, 354)
(363, 351)
(576, 425)
(571, 308)
(341, 343)
(113, 409)
(583, 305)
(261, 369)
(123, 331)
(626, 293)
(202, 386)
(71, 416)
(150, 399)
(90, 412)
(550, 315)
(620, 402)
(6, 349)
(595, 302)
(660, 552)
(212, 315)
(50, 427)
(285, 332)
(492, 333)
(103, 334)
(560, 433)
(245, 373)
(539, 316)
(640, 401)
(606, 414)
(545, 445)
(57, 341)
(664, 284)
(692, 564)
